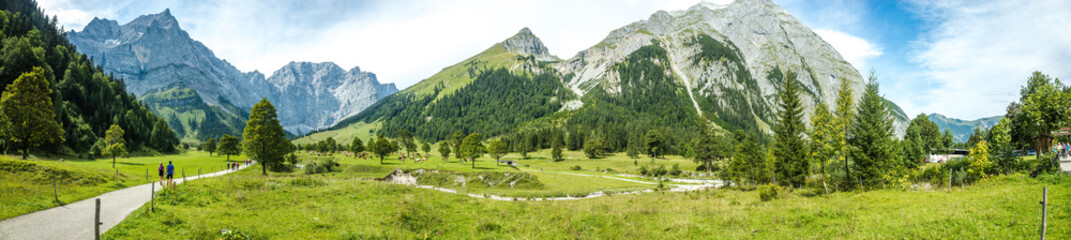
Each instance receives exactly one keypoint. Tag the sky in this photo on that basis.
(962, 58)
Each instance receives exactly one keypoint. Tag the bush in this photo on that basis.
(575, 168)
(232, 234)
(322, 167)
(768, 192)
(281, 167)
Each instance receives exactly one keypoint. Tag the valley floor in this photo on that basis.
(348, 205)
(27, 185)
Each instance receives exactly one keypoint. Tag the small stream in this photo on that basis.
(400, 177)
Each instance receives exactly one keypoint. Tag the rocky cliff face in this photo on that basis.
(152, 53)
(303, 90)
(525, 43)
(731, 56)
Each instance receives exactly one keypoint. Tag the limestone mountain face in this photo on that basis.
(525, 43)
(730, 56)
(303, 90)
(153, 54)
(709, 65)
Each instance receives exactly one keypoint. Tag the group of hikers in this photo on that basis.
(169, 170)
(170, 173)
(1063, 149)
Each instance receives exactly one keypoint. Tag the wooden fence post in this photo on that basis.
(55, 192)
(949, 179)
(1044, 213)
(96, 221)
(116, 175)
(152, 198)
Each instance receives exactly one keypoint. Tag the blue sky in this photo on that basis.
(962, 58)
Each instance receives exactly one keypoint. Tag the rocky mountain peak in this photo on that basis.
(526, 43)
(162, 20)
(102, 29)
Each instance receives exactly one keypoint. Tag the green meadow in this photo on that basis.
(27, 186)
(341, 205)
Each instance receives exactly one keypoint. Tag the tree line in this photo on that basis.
(57, 100)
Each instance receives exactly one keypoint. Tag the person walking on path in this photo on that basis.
(160, 171)
(170, 173)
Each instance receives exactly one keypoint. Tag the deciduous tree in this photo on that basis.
(843, 117)
(444, 150)
(356, 146)
(822, 145)
(209, 146)
(115, 146)
(27, 115)
(497, 149)
(426, 147)
(471, 148)
(263, 138)
(228, 145)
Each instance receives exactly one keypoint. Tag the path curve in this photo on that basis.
(75, 220)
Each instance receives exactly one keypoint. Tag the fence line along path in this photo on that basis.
(75, 220)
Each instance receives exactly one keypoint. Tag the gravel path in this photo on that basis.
(1065, 164)
(75, 220)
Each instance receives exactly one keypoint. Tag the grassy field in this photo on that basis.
(344, 135)
(557, 181)
(294, 206)
(26, 185)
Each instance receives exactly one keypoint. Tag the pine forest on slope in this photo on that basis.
(202, 96)
(730, 61)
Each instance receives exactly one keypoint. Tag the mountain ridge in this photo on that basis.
(152, 52)
(962, 129)
(675, 71)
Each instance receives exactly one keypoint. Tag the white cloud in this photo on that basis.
(853, 49)
(979, 53)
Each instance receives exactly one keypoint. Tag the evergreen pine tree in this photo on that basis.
(871, 139)
(789, 148)
(163, 139)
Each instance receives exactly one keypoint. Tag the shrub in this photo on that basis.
(281, 167)
(768, 192)
(322, 167)
(232, 234)
(575, 168)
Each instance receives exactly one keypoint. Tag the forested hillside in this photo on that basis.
(86, 101)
